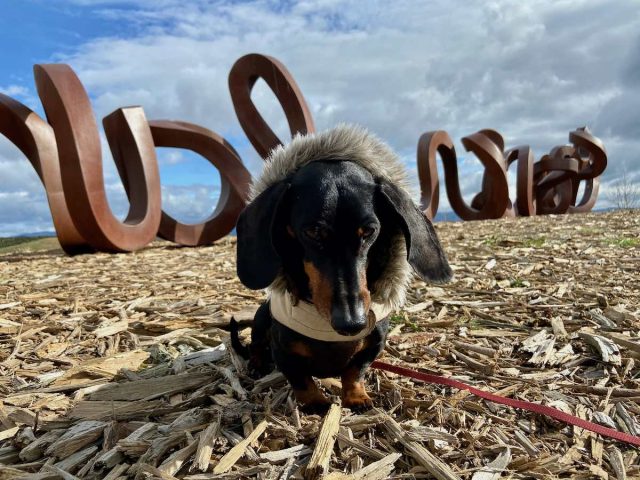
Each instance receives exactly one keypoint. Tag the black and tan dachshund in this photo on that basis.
(328, 229)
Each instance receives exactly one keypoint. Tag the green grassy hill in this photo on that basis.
(28, 244)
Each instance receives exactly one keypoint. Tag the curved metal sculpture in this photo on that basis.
(66, 155)
(549, 186)
(36, 140)
(491, 202)
(585, 160)
(234, 182)
(243, 76)
(69, 112)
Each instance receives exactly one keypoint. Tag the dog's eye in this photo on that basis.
(313, 233)
(366, 232)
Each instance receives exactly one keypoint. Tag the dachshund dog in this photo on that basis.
(335, 233)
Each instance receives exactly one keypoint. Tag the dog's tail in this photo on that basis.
(237, 345)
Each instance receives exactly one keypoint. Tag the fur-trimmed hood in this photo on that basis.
(357, 145)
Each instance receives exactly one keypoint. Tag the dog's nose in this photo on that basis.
(349, 318)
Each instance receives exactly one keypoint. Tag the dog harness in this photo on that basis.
(305, 319)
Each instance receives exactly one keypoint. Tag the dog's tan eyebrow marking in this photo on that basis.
(364, 231)
(290, 231)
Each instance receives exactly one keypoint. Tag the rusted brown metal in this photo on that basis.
(234, 182)
(593, 161)
(550, 185)
(559, 173)
(69, 112)
(66, 154)
(491, 202)
(243, 76)
(35, 139)
(525, 196)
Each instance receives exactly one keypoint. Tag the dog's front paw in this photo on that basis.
(356, 398)
(258, 370)
(312, 400)
(319, 407)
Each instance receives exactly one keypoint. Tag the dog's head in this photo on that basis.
(329, 228)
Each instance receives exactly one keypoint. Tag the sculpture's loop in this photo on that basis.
(556, 167)
(494, 198)
(555, 200)
(525, 197)
(36, 140)
(234, 179)
(559, 159)
(494, 136)
(69, 112)
(493, 202)
(243, 76)
(594, 162)
(480, 198)
(553, 177)
(429, 144)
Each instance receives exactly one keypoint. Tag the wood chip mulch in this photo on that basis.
(118, 366)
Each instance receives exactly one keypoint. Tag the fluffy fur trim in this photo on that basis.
(354, 144)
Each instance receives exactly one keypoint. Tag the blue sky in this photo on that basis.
(532, 70)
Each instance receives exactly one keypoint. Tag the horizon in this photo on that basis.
(509, 66)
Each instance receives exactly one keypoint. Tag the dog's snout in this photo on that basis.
(349, 318)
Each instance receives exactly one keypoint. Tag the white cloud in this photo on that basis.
(15, 90)
(532, 70)
(171, 157)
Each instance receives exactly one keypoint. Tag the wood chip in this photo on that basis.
(319, 463)
(378, 470)
(205, 446)
(75, 438)
(423, 456)
(233, 455)
(493, 471)
(607, 349)
(278, 456)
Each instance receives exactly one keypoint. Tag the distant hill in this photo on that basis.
(28, 244)
(43, 234)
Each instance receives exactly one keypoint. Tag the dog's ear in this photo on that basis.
(424, 252)
(258, 261)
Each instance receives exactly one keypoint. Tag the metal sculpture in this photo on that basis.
(243, 76)
(491, 202)
(66, 155)
(68, 110)
(234, 181)
(36, 140)
(549, 186)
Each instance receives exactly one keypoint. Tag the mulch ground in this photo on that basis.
(118, 366)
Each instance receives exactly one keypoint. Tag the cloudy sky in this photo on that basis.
(532, 70)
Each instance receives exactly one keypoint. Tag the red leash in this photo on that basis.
(532, 407)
